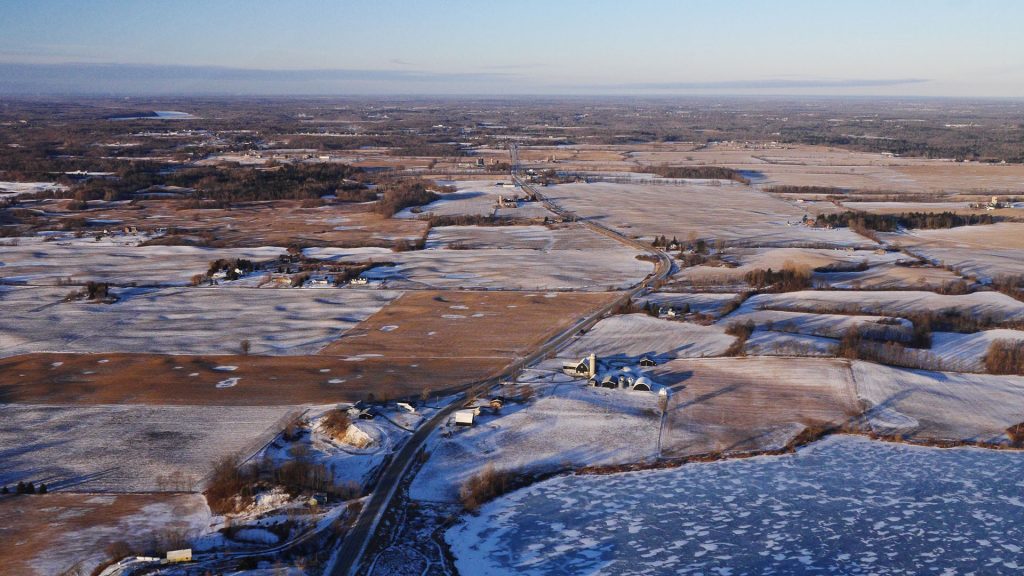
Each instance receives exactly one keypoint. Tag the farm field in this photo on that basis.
(751, 404)
(840, 269)
(33, 261)
(808, 509)
(998, 307)
(770, 343)
(128, 448)
(498, 269)
(182, 320)
(48, 534)
(448, 325)
(636, 335)
(940, 405)
(256, 224)
(749, 217)
(969, 349)
(826, 325)
(233, 380)
(536, 237)
(566, 425)
(421, 340)
(984, 252)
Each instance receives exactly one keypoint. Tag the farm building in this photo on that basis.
(617, 374)
(465, 417)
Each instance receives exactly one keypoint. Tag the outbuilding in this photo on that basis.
(183, 555)
(465, 417)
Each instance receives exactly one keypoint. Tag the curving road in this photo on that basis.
(347, 558)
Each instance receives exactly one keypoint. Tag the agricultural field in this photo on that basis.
(996, 306)
(48, 534)
(253, 224)
(968, 350)
(824, 325)
(636, 335)
(501, 269)
(940, 405)
(128, 448)
(749, 217)
(542, 238)
(837, 269)
(565, 425)
(212, 320)
(985, 252)
(447, 326)
(14, 189)
(728, 405)
(38, 262)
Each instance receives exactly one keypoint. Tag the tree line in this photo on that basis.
(699, 172)
(893, 222)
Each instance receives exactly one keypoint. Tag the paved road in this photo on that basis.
(348, 557)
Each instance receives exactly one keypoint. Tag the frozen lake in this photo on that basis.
(845, 505)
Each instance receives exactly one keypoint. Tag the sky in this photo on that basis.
(958, 48)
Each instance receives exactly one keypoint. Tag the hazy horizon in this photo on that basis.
(795, 48)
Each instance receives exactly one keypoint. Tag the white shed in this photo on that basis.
(465, 417)
(183, 555)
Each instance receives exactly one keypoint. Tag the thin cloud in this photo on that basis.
(90, 78)
(769, 84)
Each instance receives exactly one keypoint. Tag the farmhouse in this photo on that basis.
(586, 367)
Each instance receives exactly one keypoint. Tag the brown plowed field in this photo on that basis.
(419, 341)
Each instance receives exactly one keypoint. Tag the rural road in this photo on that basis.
(347, 558)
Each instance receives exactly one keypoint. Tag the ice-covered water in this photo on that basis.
(846, 505)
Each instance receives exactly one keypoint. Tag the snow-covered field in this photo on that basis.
(568, 424)
(127, 448)
(984, 263)
(493, 268)
(981, 251)
(940, 405)
(899, 207)
(888, 277)
(968, 350)
(639, 335)
(999, 307)
(11, 189)
(827, 325)
(34, 261)
(886, 270)
(751, 404)
(729, 211)
(845, 505)
(566, 237)
(47, 535)
(182, 320)
(479, 198)
(769, 343)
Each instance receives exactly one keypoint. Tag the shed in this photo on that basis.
(465, 417)
(183, 555)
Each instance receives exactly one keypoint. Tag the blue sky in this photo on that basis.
(892, 47)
